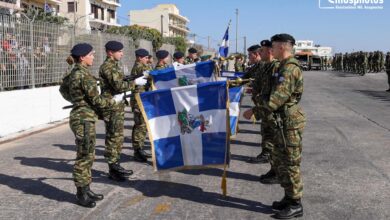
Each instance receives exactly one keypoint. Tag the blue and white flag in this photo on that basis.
(224, 48)
(188, 125)
(47, 8)
(190, 74)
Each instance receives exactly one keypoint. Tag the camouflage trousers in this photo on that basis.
(286, 161)
(114, 124)
(267, 140)
(85, 134)
(138, 135)
(388, 76)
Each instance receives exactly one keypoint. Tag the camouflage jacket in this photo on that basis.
(138, 69)
(161, 66)
(387, 62)
(80, 88)
(111, 76)
(188, 60)
(238, 67)
(286, 92)
(253, 70)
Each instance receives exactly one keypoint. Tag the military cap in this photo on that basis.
(162, 54)
(141, 53)
(81, 49)
(178, 55)
(205, 57)
(283, 38)
(265, 43)
(192, 50)
(254, 48)
(114, 46)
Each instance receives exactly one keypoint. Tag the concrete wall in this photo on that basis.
(25, 109)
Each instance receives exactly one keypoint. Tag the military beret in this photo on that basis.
(178, 55)
(114, 46)
(141, 53)
(81, 49)
(283, 38)
(192, 50)
(162, 54)
(265, 43)
(254, 48)
(205, 57)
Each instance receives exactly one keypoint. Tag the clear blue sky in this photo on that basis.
(344, 30)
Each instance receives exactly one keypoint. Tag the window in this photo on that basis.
(111, 13)
(72, 6)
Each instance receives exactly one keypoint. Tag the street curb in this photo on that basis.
(32, 131)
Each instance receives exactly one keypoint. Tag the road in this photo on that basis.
(345, 167)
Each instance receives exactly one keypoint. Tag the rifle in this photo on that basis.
(132, 77)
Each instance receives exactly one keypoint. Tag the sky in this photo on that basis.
(344, 30)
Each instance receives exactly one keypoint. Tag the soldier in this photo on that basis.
(381, 61)
(80, 88)
(238, 65)
(261, 92)
(162, 56)
(387, 66)
(283, 103)
(139, 129)
(254, 61)
(113, 86)
(192, 56)
(150, 61)
(178, 58)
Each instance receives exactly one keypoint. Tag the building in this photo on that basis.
(9, 6)
(308, 46)
(51, 5)
(164, 17)
(91, 14)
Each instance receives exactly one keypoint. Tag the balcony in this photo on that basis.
(182, 18)
(112, 2)
(179, 27)
(9, 4)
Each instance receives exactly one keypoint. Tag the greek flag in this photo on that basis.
(190, 74)
(187, 125)
(224, 48)
(47, 8)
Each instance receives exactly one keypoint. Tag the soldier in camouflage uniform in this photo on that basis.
(139, 129)
(162, 56)
(80, 88)
(261, 92)
(254, 62)
(283, 103)
(192, 56)
(387, 66)
(113, 86)
(238, 65)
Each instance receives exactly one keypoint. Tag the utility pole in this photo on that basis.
(236, 30)
(245, 45)
(162, 28)
(194, 38)
(208, 42)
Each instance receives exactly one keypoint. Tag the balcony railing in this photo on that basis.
(9, 1)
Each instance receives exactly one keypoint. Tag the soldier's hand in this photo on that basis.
(248, 114)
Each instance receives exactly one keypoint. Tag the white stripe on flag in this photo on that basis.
(234, 109)
(170, 122)
(192, 148)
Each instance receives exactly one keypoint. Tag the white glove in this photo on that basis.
(146, 73)
(118, 98)
(140, 81)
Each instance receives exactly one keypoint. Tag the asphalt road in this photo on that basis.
(345, 167)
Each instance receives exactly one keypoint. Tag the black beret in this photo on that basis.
(266, 43)
(283, 38)
(81, 49)
(178, 55)
(192, 50)
(253, 48)
(162, 54)
(141, 53)
(114, 46)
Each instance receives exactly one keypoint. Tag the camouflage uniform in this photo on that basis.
(238, 67)
(253, 70)
(80, 88)
(188, 60)
(139, 129)
(285, 95)
(260, 94)
(161, 66)
(387, 66)
(112, 84)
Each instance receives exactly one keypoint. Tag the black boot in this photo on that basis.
(261, 158)
(139, 156)
(122, 170)
(94, 196)
(115, 174)
(147, 155)
(293, 210)
(269, 178)
(279, 205)
(83, 199)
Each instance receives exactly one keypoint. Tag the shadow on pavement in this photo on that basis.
(245, 131)
(248, 122)
(343, 74)
(218, 173)
(155, 188)
(245, 143)
(36, 187)
(379, 95)
(242, 158)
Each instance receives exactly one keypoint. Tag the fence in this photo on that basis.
(33, 53)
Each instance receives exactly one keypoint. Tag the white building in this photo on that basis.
(91, 14)
(307, 46)
(12, 6)
(9, 6)
(164, 17)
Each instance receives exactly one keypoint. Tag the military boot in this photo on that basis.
(122, 170)
(140, 156)
(115, 174)
(263, 157)
(294, 209)
(94, 196)
(269, 178)
(279, 205)
(83, 198)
